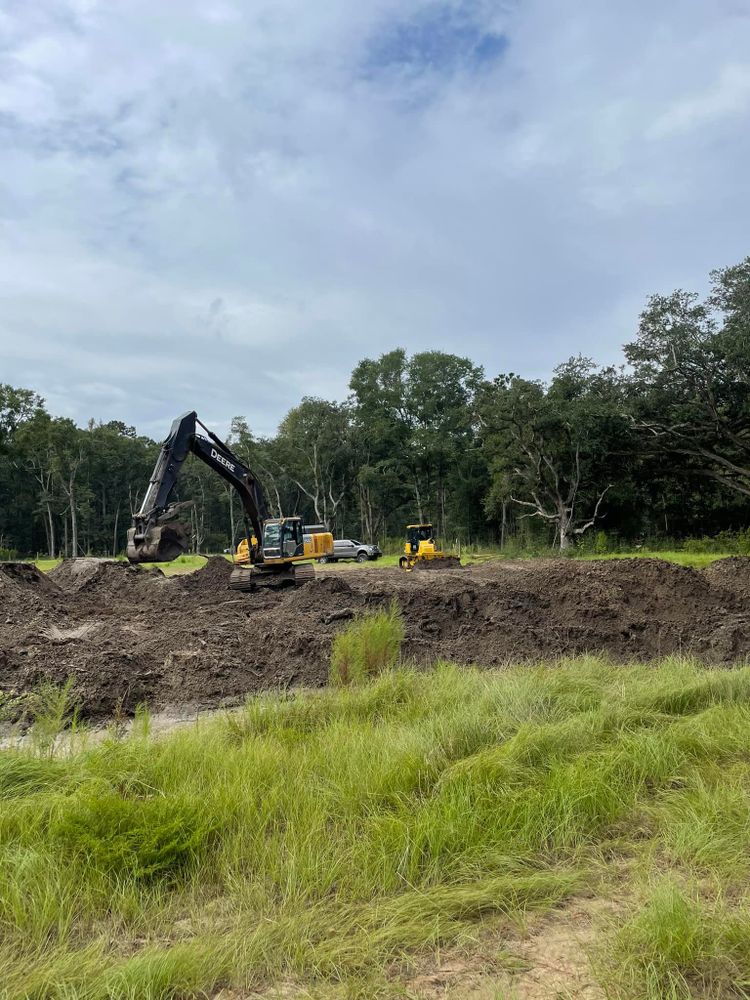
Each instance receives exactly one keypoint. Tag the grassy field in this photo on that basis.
(188, 563)
(695, 559)
(340, 843)
(183, 564)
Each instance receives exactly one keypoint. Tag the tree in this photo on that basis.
(16, 405)
(416, 415)
(691, 378)
(68, 453)
(313, 448)
(118, 465)
(259, 455)
(34, 455)
(552, 448)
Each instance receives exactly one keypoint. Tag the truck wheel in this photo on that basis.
(323, 559)
(361, 557)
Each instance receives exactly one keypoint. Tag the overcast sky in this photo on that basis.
(225, 204)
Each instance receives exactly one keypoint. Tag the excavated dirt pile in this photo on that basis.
(127, 635)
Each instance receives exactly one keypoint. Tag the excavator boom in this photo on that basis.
(273, 548)
(153, 538)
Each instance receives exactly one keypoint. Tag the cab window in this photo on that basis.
(292, 539)
(271, 536)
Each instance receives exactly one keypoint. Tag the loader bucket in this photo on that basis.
(162, 543)
(438, 562)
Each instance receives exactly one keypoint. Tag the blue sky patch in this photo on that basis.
(438, 40)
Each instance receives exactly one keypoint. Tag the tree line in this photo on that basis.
(657, 446)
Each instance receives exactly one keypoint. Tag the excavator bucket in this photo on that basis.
(161, 543)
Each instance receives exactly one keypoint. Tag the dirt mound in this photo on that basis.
(127, 635)
(106, 579)
(14, 575)
(733, 574)
(26, 595)
(438, 565)
(73, 574)
(214, 574)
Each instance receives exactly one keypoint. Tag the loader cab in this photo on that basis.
(283, 538)
(417, 533)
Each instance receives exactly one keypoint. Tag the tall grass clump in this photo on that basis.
(681, 946)
(367, 646)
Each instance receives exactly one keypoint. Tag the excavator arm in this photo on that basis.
(153, 538)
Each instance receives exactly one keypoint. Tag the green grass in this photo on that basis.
(698, 560)
(183, 564)
(330, 838)
(45, 565)
(367, 647)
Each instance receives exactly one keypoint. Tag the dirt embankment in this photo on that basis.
(128, 635)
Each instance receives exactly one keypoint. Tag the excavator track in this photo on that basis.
(247, 578)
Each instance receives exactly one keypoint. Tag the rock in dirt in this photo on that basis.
(127, 634)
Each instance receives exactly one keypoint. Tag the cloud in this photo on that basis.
(729, 96)
(225, 204)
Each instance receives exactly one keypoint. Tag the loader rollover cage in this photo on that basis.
(153, 538)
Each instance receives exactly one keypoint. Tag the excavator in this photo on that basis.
(276, 551)
(421, 550)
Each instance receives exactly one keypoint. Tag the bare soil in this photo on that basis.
(128, 635)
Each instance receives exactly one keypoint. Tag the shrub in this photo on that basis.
(368, 646)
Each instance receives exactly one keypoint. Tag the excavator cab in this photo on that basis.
(287, 542)
(283, 538)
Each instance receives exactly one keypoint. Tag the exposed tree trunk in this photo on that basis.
(51, 532)
(418, 498)
(443, 532)
(563, 536)
(562, 515)
(73, 515)
(114, 530)
(45, 522)
(369, 521)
